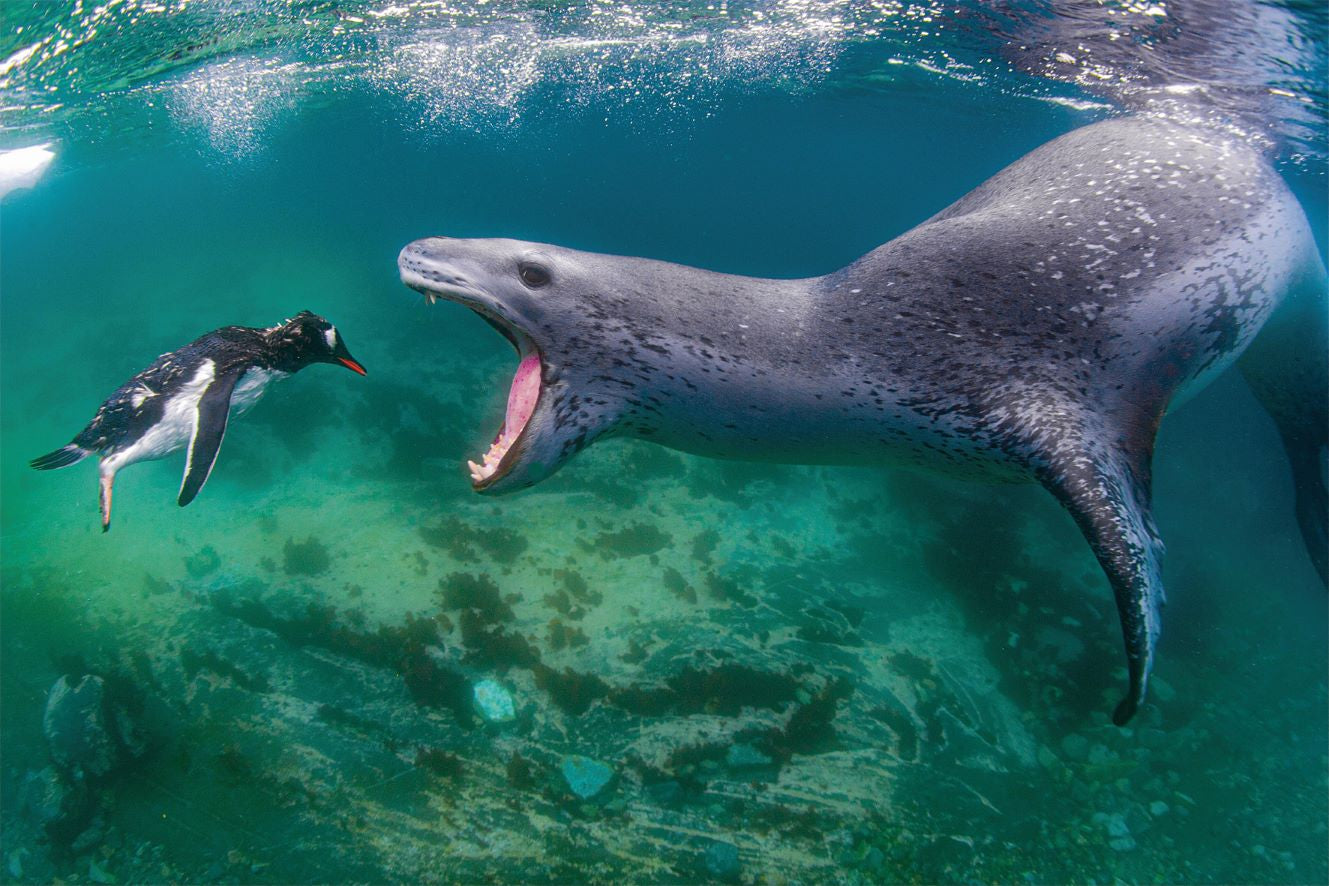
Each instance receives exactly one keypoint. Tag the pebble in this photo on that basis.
(745, 756)
(1161, 689)
(585, 777)
(1157, 808)
(97, 874)
(723, 862)
(1075, 746)
(1046, 758)
(1100, 754)
(493, 702)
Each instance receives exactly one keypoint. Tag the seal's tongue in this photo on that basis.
(522, 397)
(525, 391)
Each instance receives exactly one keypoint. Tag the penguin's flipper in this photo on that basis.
(1103, 480)
(214, 407)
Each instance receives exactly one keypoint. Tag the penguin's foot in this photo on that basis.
(107, 481)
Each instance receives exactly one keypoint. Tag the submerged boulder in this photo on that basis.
(92, 727)
(60, 806)
(77, 728)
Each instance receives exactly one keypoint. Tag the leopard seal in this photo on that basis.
(1039, 328)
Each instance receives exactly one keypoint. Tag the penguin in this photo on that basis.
(186, 396)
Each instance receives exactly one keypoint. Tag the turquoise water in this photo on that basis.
(845, 674)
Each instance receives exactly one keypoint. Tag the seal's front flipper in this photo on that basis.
(214, 408)
(1107, 492)
(1287, 367)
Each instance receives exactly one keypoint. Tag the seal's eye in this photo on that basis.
(532, 275)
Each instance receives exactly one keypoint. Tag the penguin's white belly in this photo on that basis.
(251, 387)
(175, 428)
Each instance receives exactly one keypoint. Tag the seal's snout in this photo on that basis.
(419, 250)
(413, 254)
(419, 264)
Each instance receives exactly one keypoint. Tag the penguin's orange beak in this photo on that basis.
(352, 365)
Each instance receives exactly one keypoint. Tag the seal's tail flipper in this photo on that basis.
(60, 458)
(1107, 492)
(1287, 367)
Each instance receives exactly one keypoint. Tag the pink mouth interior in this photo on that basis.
(522, 397)
(524, 394)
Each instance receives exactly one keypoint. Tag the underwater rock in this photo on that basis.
(59, 806)
(1162, 689)
(76, 727)
(1118, 832)
(723, 862)
(745, 756)
(585, 777)
(1157, 808)
(203, 562)
(1075, 747)
(1101, 755)
(493, 702)
(97, 874)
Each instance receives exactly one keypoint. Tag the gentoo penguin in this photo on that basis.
(186, 396)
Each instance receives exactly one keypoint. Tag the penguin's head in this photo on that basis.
(308, 338)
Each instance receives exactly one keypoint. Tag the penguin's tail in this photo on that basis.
(60, 458)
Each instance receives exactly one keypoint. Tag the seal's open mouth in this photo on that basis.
(523, 396)
(522, 399)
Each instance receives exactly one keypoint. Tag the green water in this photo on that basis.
(926, 665)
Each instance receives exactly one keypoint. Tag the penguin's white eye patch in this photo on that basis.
(330, 335)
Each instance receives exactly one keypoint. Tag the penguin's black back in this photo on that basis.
(231, 348)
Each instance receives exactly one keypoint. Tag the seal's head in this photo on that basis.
(562, 396)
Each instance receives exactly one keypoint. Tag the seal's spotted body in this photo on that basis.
(1038, 328)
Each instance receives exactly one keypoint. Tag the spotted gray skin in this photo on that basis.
(1038, 328)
